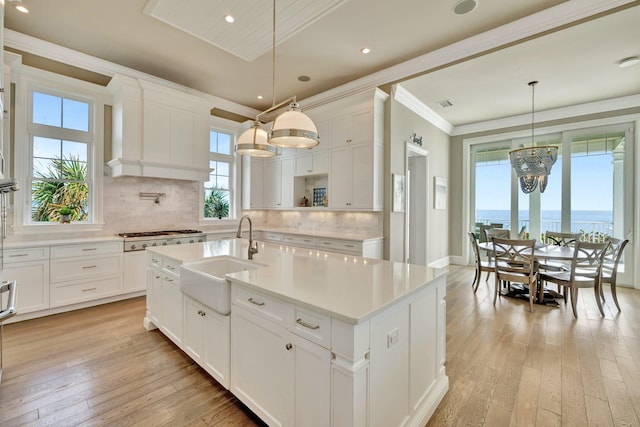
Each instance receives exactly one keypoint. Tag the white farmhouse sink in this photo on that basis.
(204, 280)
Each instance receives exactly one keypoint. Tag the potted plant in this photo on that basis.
(65, 214)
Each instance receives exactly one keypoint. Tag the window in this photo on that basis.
(218, 190)
(60, 143)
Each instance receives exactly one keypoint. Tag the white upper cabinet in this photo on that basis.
(354, 128)
(158, 132)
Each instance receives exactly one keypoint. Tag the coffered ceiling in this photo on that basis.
(480, 61)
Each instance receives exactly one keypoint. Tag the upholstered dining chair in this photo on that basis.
(515, 263)
(610, 266)
(585, 272)
(480, 264)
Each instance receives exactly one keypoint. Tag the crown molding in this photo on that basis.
(596, 107)
(406, 98)
(45, 49)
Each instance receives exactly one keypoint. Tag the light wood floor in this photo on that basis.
(506, 366)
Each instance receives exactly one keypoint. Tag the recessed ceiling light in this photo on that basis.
(464, 6)
(259, 96)
(365, 50)
(230, 19)
(304, 78)
(628, 62)
(19, 6)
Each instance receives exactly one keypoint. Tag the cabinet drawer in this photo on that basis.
(170, 266)
(261, 304)
(87, 291)
(27, 254)
(63, 270)
(342, 246)
(272, 237)
(301, 241)
(86, 249)
(313, 326)
(155, 260)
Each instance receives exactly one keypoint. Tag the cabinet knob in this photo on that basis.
(288, 346)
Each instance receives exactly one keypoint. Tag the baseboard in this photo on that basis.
(439, 263)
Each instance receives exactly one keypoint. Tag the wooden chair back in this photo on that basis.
(561, 239)
(503, 233)
(587, 260)
(613, 256)
(514, 260)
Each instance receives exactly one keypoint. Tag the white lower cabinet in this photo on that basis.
(85, 272)
(29, 267)
(171, 308)
(154, 297)
(281, 376)
(206, 339)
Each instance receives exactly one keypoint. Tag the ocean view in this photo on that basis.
(590, 221)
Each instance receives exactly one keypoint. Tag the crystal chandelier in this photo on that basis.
(290, 129)
(533, 165)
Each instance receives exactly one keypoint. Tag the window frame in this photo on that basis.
(28, 80)
(220, 125)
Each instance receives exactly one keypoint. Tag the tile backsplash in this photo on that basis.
(124, 210)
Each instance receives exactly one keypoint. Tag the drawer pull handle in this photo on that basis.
(89, 289)
(90, 249)
(254, 302)
(348, 246)
(168, 279)
(89, 266)
(16, 255)
(307, 325)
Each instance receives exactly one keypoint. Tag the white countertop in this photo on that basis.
(343, 286)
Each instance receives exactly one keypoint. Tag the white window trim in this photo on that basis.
(25, 77)
(230, 127)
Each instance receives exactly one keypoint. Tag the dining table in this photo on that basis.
(541, 251)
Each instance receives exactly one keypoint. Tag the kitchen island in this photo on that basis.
(312, 338)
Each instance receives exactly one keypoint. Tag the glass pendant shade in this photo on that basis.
(533, 165)
(293, 129)
(254, 142)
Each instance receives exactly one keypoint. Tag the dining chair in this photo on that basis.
(480, 264)
(558, 239)
(503, 233)
(610, 266)
(515, 263)
(585, 272)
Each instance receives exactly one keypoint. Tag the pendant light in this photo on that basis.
(290, 129)
(533, 165)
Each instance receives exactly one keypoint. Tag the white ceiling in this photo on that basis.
(573, 58)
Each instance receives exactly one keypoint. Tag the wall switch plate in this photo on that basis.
(393, 337)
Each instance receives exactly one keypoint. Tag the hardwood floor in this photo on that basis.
(506, 366)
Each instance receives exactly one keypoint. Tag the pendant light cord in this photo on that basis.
(273, 55)
(533, 108)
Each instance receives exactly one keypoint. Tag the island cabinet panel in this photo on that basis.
(312, 382)
(261, 374)
(206, 339)
(154, 299)
(171, 308)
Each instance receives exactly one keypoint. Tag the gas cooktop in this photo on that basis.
(157, 233)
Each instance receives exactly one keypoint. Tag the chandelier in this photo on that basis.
(533, 165)
(290, 129)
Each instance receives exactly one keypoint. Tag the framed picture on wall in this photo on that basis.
(398, 193)
(440, 193)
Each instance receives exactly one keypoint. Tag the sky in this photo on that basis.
(594, 192)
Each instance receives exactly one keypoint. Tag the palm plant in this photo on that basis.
(63, 184)
(216, 204)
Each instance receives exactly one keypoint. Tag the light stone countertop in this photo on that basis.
(346, 287)
(30, 241)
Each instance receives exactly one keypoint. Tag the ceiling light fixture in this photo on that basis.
(290, 129)
(20, 7)
(628, 62)
(229, 19)
(533, 165)
(465, 6)
(365, 50)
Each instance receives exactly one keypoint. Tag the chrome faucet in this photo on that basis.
(253, 249)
